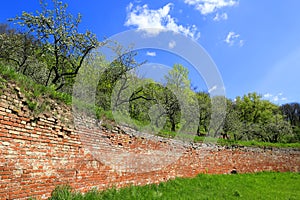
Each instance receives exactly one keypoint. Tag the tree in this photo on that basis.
(204, 102)
(261, 119)
(255, 110)
(116, 77)
(277, 129)
(18, 49)
(232, 124)
(155, 97)
(63, 45)
(291, 112)
(181, 106)
(173, 103)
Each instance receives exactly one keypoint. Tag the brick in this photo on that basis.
(34, 159)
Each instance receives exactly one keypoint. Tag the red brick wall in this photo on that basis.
(39, 152)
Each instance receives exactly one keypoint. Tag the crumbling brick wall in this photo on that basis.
(39, 152)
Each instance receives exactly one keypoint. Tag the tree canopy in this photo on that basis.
(63, 47)
(51, 50)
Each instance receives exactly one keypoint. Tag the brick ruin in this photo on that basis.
(41, 151)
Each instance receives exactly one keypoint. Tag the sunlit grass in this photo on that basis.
(265, 185)
(34, 91)
(30, 88)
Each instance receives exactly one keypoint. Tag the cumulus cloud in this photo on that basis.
(219, 17)
(151, 53)
(233, 38)
(268, 95)
(156, 21)
(275, 98)
(210, 6)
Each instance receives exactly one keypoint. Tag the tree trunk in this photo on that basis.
(173, 126)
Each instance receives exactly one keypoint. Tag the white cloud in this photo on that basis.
(151, 53)
(275, 98)
(210, 6)
(233, 38)
(172, 44)
(220, 17)
(156, 21)
(241, 43)
(268, 95)
(230, 37)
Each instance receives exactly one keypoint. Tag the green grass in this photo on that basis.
(258, 144)
(34, 92)
(265, 185)
(223, 142)
(30, 88)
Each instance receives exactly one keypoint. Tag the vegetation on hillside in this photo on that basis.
(49, 53)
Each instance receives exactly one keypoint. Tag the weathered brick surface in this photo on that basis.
(40, 152)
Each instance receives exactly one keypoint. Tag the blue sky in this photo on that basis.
(254, 43)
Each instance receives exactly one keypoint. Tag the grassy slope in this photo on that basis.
(266, 185)
(31, 89)
(35, 91)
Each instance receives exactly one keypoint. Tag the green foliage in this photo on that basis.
(255, 110)
(64, 97)
(180, 102)
(252, 118)
(18, 49)
(107, 126)
(264, 185)
(31, 89)
(171, 107)
(233, 125)
(31, 105)
(65, 192)
(291, 113)
(199, 138)
(53, 52)
(167, 134)
(115, 78)
(63, 49)
(255, 143)
(204, 112)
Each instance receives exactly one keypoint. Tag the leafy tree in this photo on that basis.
(142, 99)
(117, 77)
(171, 106)
(63, 46)
(18, 49)
(261, 119)
(172, 103)
(204, 102)
(277, 130)
(165, 102)
(182, 105)
(255, 110)
(233, 124)
(177, 78)
(291, 112)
